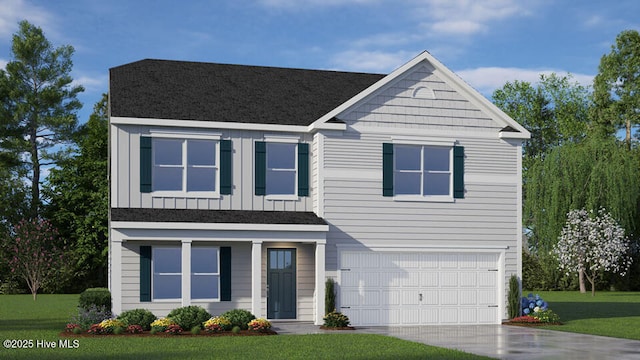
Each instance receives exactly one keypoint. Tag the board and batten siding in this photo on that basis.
(126, 174)
(420, 105)
(240, 279)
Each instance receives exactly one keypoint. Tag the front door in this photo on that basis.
(281, 283)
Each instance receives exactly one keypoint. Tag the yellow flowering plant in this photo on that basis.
(109, 325)
(160, 325)
(217, 324)
(259, 325)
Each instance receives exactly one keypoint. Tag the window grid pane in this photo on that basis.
(167, 270)
(281, 169)
(205, 273)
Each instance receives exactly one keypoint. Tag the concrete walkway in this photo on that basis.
(497, 341)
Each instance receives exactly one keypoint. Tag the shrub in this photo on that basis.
(109, 325)
(142, 317)
(546, 316)
(531, 304)
(174, 329)
(160, 325)
(335, 319)
(196, 330)
(91, 315)
(134, 329)
(236, 330)
(238, 317)
(217, 324)
(77, 331)
(71, 327)
(259, 325)
(96, 329)
(514, 297)
(95, 296)
(329, 296)
(118, 330)
(189, 316)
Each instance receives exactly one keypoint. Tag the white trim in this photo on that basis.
(115, 285)
(321, 171)
(281, 138)
(186, 272)
(421, 133)
(256, 278)
(274, 197)
(513, 135)
(217, 226)
(327, 126)
(424, 198)
(113, 160)
(208, 124)
(421, 140)
(184, 134)
(320, 283)
(423, 248)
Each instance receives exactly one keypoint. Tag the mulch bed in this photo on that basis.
(186, 333)
(337, 328)
(523, 324)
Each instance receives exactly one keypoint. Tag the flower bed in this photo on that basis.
(535, 312)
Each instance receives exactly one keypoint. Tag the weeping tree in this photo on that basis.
(590, 174)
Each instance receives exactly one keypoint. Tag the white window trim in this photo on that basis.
(421, 197)
(153, 272)
(288, 140)
(185, 134)
(184, 193)
(218, 274)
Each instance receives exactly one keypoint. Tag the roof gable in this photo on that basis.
(179, 90)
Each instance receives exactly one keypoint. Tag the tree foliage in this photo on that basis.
(77, 197)
(38, 105)
(617, 86)
(592, 174)
(33, 254)
(592, 243)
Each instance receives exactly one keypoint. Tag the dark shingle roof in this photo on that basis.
(182, 90)
(216, 216)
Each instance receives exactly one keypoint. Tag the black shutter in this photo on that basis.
(145, 273)
(225, 167)
(225, 273)
(260, 168)
(458, 172)
(303, 169)
(387, 169)
(145, 164)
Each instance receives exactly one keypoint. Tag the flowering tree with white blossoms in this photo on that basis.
(592, 244)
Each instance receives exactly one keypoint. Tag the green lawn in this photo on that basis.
(23, 319)
(615, 314)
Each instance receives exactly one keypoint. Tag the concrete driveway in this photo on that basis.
(498, 341)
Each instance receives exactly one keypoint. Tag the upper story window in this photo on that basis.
(433, 172)
(422, 170)
(281, 169)
(198, 166)
(185, 165)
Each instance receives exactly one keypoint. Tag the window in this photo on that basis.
(281, 169)
(434, 172)
(422, 170)
(167, 273)
(185, 165)
(205, 273)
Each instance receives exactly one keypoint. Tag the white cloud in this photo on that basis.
(3, 63)
(13, 11)
(466, 17)
(92, 84)
(488, 79)
(370, 61)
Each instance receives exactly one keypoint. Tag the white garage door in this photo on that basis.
(419, 288)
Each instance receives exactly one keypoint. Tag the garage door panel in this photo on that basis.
(395, 288)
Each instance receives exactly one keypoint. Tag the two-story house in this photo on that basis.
(247, 187)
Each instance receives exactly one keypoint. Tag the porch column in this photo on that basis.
(115, 275)
(186, 272)
(320, 279)
(256, 278)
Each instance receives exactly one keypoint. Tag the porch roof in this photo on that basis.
(216, 216)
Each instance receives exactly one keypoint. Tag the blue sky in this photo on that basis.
(487, 42)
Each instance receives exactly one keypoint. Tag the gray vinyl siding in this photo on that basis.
(128, 194)
(359, 215)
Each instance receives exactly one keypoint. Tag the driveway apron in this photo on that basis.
(498, 341)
